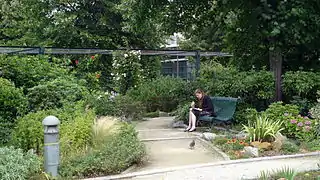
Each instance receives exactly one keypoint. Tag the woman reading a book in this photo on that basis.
(202, 108)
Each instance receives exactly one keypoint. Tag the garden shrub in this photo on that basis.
(54, 94)
(29, 71)
(313, 145)
(295, 126)
(102, 103)
(280, 111)
(28, 133)
(13, 104)
(77, 133)
(129, 108)
(289, 147)
(17, 165)
(163, 93)
(118, 152)
(302, 84)
(254, 87)
(182, 112)
(315, 113)
(240, 115)
(75, 129)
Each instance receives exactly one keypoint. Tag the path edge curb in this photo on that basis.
(227, 162)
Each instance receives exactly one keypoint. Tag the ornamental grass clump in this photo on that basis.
(262, 129)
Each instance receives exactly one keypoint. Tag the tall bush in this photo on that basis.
(29, 71)
(75, 129)
(163, 93)
(55, 93)
(301, 84)
(253, 87)
(13, 104)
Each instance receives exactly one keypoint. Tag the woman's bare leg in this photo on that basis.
(190, 119)
(193, 121)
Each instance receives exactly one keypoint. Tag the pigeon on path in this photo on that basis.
(192, 144)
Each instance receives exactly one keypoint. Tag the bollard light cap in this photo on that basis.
(50, 121)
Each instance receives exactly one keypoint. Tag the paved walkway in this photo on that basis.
(170, 147)
(171, 159)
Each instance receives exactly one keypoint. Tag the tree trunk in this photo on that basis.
(275, 59)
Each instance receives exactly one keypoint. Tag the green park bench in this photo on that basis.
(224, 108)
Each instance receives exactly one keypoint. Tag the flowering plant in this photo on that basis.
(127, 70)
(301, 128)
(236, 144)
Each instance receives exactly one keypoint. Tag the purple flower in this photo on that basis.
(300, 124)
(307, 128)
(293, 121)
(307, 122)
(286, 114)
(305, 117)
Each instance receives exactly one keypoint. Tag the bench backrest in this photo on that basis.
(224, 107)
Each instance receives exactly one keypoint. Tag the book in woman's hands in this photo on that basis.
(197, 109)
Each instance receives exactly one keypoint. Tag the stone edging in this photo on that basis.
(164, 170)
(164, 139)
(213, 148)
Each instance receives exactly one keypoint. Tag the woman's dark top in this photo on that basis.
(207, 108)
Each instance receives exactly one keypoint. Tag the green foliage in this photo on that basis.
(262, 128)
(302, 84)
(102, 103)
(29, 71)
(220, 141)
(77, 133)
(285, 172)
(182, 113)
(279, 111)
(87, 25)
(152, 114)
(118, 152)
(75, 129)
(289, 147)
(129, 108)
(315, 113)
(15, 164)
(28, 133)
(313, 145)
(164, 93)
(54, 94)
(130, 69)
(251, 113)
(253, 87)
(13, 104)
(241, 113)
(302, 128)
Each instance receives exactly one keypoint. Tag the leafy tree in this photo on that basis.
(248, 29)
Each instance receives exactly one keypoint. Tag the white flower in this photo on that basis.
(125, 55)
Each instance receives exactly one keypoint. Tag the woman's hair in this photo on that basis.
(200, 91)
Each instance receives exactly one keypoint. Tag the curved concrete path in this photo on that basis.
(170, 147)
(170, 158)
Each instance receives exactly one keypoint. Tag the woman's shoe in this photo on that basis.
(192, 130)
(186, 130)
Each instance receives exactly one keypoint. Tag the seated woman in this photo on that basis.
(203, 108)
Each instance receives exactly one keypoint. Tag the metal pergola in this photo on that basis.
(91, 51)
